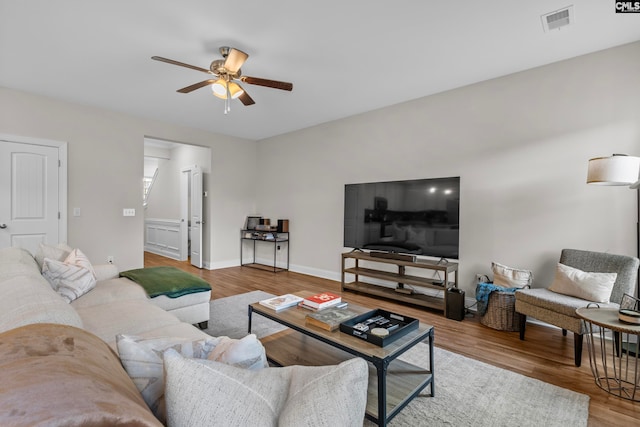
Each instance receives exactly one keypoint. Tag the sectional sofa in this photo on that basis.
(89, 361)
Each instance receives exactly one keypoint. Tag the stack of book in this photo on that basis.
(330, 318)
(320, 301)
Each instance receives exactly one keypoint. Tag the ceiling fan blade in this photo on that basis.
(234, 60)
(267, 83)
(181, 64)
(245, 98)
(195, 86)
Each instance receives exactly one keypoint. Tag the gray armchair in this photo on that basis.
(560, 310)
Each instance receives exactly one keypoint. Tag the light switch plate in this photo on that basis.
(128, 212)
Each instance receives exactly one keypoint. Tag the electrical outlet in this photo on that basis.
(110, 259)
(481, 278)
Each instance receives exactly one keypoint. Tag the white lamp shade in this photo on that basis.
(613, 170)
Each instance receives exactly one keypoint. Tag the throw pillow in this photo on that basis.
(69, 280)
(58, 253)
(247, 352)
(142, 359)
(286, 396)
(594, 287)
(509, 277)
(76, 257)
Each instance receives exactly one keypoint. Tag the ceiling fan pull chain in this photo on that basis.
(228, 95)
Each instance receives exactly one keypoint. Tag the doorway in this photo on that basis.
(174, 200)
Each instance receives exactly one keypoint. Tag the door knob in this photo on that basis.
(3, 225)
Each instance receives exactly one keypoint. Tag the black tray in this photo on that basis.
(404, 326)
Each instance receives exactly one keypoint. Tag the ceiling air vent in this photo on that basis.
(558, 19)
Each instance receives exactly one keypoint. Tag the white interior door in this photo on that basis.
(196, 216)
(29, 199)
(185, 202)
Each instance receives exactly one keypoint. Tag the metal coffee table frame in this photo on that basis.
(380, 358)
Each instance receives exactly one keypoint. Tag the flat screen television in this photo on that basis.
(419, 217)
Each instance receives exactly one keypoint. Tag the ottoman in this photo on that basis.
(184, 295)
(191, 308)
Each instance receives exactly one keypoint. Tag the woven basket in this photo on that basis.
(501, 312)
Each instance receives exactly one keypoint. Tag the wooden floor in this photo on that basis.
(545, 354)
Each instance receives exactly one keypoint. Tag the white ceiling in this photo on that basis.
(343, 57)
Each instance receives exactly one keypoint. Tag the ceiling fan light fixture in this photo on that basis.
(219, 89)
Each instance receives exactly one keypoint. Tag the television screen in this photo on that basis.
(418, 217)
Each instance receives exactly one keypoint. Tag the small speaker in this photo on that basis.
(265, 221)
(455, 304)
(283, 226)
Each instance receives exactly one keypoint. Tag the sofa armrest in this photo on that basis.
(106, 272)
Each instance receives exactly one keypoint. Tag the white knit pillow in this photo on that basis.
(594, 287)
(291, 396)
(142, 359)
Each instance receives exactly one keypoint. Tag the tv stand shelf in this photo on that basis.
(400, 293)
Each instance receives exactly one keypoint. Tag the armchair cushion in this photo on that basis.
(594, 287)
(545, 299)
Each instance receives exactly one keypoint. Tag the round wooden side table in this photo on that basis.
(613, 351)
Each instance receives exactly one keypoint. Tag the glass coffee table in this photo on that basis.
(393, 383)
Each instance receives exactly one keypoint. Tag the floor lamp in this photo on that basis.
(618, 169)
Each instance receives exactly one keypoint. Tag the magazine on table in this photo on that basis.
(281, 302)
(329, 319)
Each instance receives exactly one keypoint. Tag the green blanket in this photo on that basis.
(168, 281)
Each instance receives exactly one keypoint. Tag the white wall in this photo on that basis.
(520, 144)
(106, 169)
(164, 200)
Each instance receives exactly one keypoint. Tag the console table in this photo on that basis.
(401, 278)
(274, 238)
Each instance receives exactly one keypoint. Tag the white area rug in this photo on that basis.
(468, 392)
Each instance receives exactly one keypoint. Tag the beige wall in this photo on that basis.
(520, 144)
(105, 175)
